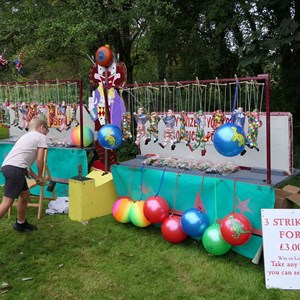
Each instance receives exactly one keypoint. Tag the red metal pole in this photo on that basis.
(268, 128)
(81, 113)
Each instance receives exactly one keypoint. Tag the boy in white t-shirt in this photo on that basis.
(17, 166)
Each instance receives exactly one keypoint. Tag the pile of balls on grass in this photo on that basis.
(234, 230)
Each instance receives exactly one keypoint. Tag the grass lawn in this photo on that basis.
(104, 259)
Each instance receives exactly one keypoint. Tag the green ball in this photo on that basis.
(213, 241)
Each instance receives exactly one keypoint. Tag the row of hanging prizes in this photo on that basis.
(24, 112)
(201, 138)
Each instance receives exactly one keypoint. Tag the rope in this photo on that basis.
(235, 98)
(234, 194)
(142, 169)
(161, 181)
(130, 180)
(215, 191)
(201, 189)
(176, 189)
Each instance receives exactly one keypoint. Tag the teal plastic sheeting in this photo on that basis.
(215, 196)
(62, 163)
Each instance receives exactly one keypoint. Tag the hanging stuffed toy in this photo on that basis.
(169, 132)
(51, 113)
(238, 117)
(201, 123)
(74, 114)
(125, 126)
(64, 119)
(42, 109)
(182, 131)
(15, 107)
(153, 128)
(254, 123)
(218, 119)
(141, 119)
(32, 110)
(24, 113)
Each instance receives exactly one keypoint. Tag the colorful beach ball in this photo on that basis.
(229, 139)
(88, 136)
(213, 241)
(236, 229)
(121, 209)
(137, 216)
(110, 136)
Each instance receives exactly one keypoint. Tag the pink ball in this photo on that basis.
(88, 136)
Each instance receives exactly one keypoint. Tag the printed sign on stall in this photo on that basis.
(281, 244)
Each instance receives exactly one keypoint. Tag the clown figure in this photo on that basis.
(74, 114)
(182, 132)
(64, 119)
(15, 108)
(239, 117)
(201, 123)
(24, 112)
(169, 133)
(218, 119)
(141, 119)
(153, 127)
(51, 113)
(254, 123)
(125, 126)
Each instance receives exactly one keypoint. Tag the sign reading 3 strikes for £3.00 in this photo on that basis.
(281, 244)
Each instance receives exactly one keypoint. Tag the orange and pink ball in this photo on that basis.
(88, 136)
(121, 209)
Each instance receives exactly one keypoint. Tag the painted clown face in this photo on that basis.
(112, 74)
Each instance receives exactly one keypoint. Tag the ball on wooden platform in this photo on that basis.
(121, 209)
(229, 139)
(88, 136)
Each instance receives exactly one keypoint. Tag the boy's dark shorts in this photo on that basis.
(15, 181)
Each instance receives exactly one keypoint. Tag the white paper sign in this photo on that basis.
(281, 244)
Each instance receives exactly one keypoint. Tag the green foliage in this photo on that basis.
(128, 150)
(4, 133)
(161, 39)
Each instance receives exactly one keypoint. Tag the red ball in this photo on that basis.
(104, 56)
(236, 229)
(172, 231)
(156, 209)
